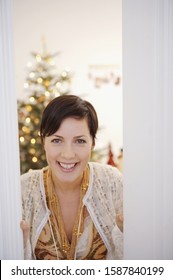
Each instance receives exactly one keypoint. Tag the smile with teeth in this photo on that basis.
(67, 166)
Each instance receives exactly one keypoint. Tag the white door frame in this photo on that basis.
(11, 244)
(148, 128)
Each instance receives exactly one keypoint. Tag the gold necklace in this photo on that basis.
(69, 250)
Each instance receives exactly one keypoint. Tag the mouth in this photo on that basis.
(67, 167)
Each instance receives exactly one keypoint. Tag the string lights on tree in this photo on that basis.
(43, 83)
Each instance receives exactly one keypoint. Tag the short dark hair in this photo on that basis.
(66, 106)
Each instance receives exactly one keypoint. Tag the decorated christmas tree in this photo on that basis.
(43, 83)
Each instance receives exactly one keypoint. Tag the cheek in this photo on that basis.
(50, 153)
(87, 153)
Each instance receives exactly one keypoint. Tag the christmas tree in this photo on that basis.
(43, 83)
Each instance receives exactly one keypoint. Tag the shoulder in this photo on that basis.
(31, 179)
(105, 181)
(30, 175)
(106, 178)
(105, 171)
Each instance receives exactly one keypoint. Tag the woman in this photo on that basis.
(72, 207)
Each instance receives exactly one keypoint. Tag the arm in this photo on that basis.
(25, 228)
(120, 221)
(119, 202)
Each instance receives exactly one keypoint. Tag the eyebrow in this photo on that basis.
(79, 136)
(58, 136)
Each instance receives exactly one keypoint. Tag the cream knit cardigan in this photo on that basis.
(103, 200)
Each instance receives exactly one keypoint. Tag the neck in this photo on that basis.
(65, 187)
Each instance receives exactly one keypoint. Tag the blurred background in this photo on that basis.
(63, 47)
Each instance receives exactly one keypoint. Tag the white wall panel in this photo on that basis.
(148, 128)
(10, 201)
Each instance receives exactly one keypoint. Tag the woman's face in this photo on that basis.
(68, 151)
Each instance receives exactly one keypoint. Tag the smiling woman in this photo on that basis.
(72, 208)
(70, 152)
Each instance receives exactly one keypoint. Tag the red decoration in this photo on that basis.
(111, 157)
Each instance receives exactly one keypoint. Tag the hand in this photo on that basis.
(25, 228)
(120, 221)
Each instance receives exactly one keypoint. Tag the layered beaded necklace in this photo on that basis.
(63, 246)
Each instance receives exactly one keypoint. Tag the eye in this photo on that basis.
(56, 140)
(80, 141)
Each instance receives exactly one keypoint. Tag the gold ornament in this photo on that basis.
(46, 83)
(41, 99)
(36, 121)
(29, 108)
(32, 151)
(25, 129)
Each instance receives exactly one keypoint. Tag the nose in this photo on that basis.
(68, 152)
